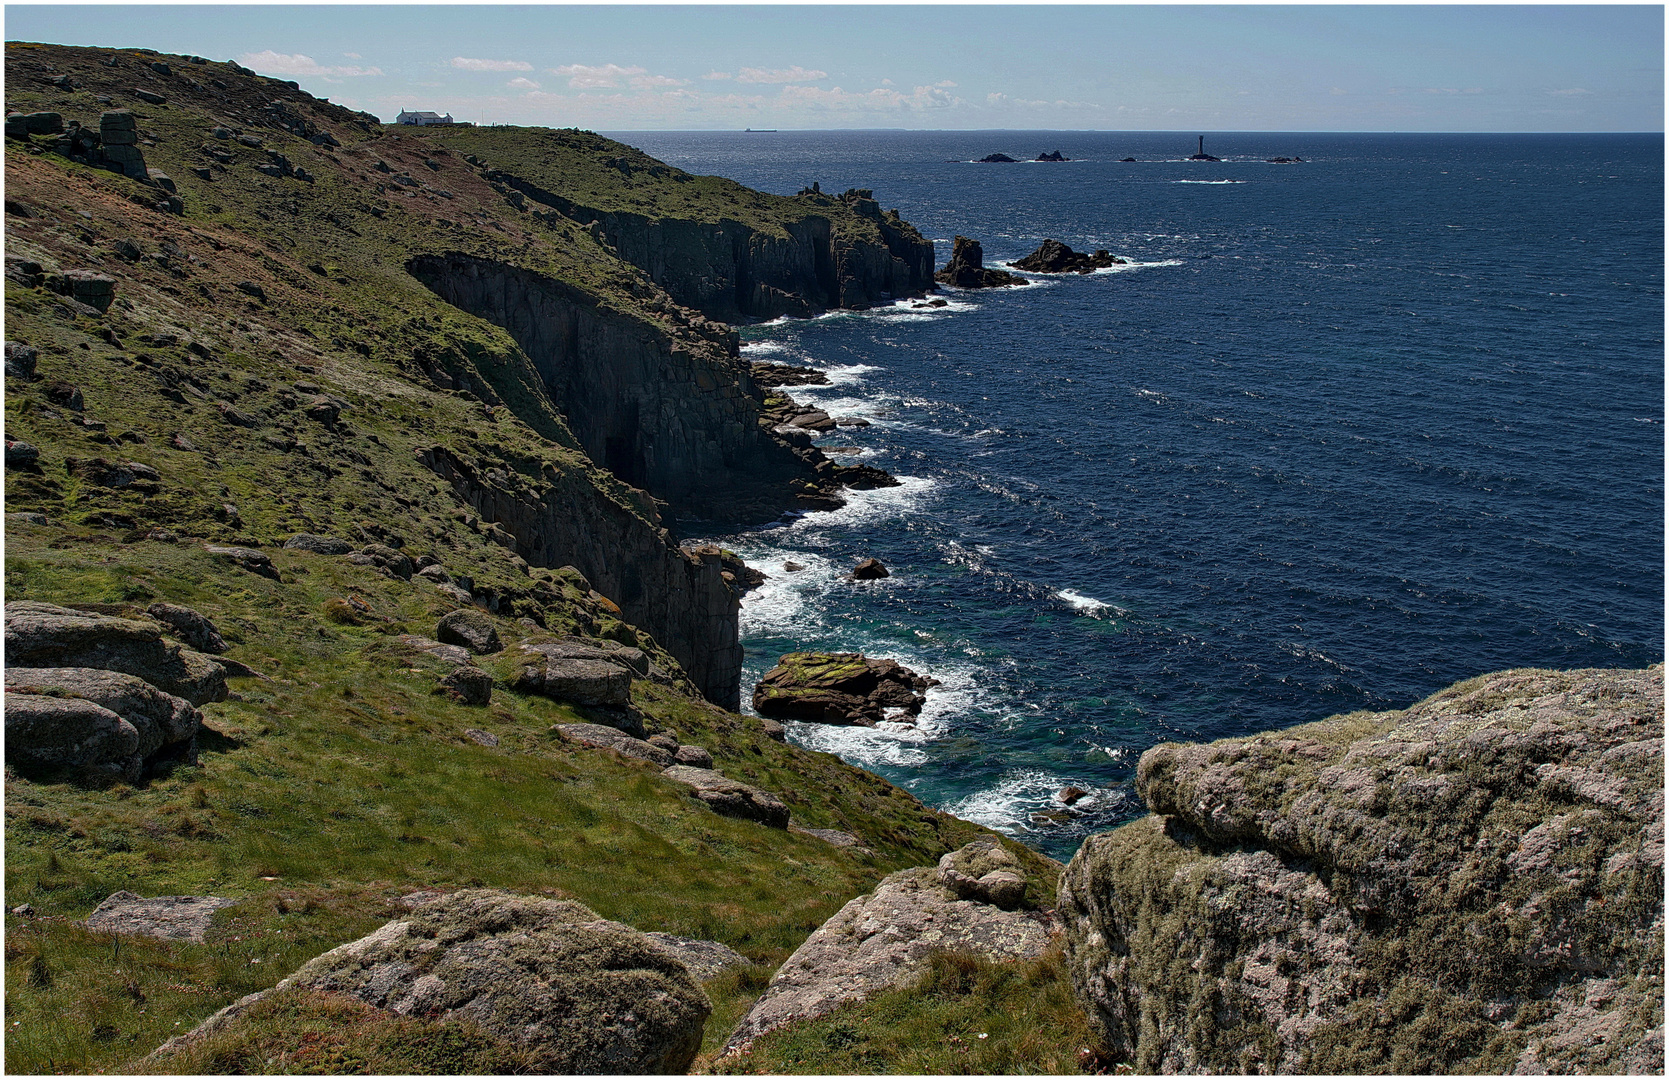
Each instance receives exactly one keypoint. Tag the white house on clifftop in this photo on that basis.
(423, 119)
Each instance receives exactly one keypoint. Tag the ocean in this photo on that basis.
(1340, 433)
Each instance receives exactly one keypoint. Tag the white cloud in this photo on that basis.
(353, 56)
(1338, 91)
(652, 82)
(586, 77)
(715, 76)
(946, 83)
(520, 83)
(877, 100)
(465, 63)
(271, 63)
(795, 74)
(1575, 91)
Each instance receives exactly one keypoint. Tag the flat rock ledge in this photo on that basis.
(172, 918)
(883, 940)
(607, 738)
(579, 993)
(1472, 885)
(731, 798)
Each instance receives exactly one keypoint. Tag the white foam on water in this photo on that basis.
(841, 375)
(1208, 181)
(750, 347)
(1007, 807)
(1124, 268)
(1089, 605)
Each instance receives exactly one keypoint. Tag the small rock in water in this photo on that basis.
(792, 567)
(870, 570)
(1070, 795)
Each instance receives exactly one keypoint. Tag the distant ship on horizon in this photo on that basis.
(745, 130)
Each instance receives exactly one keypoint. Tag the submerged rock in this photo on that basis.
(1473, 884)
(840, 688)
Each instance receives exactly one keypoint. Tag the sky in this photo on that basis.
(1020, 66)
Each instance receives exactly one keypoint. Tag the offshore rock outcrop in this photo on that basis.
(1473, 884)
(967, 269)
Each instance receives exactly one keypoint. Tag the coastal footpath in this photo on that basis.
(365, 711)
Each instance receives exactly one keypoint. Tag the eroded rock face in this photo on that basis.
(582, 994)
(840, 688)
(45, 635)
(883, 940)
(1473, 884)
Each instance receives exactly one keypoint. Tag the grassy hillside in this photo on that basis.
(268, 367)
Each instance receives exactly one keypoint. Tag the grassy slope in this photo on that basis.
(339, 780)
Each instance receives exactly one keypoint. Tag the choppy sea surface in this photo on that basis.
(1339, 434)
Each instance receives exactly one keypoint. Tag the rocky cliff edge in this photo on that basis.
(1473, 884)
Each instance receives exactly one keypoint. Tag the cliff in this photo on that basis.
(1470, 885)
(714, 245)
(236, 247)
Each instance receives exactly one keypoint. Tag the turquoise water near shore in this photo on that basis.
(1339, 434)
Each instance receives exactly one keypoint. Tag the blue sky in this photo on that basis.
(1107, 67)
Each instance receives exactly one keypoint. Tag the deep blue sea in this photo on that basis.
(1342, 433)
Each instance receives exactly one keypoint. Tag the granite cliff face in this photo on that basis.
(1473, 884)
(672, 413)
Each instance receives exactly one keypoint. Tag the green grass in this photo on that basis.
(346, 780)
(963, 1016)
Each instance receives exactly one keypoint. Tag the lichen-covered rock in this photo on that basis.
(607, 738)
(579, 993)
(471, 628)
(319, 545)
(882, 940)
(104, 721)
(1473, 884)
(705, 959)
(469, 685)
(840, 688)
(984, 871)
(582, 682)
(732, 798)
(45, 635)
(172, 918)
(189, 626)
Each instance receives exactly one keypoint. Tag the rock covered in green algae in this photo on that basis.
(1473, 884)
(839, 688)
(582, 994)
